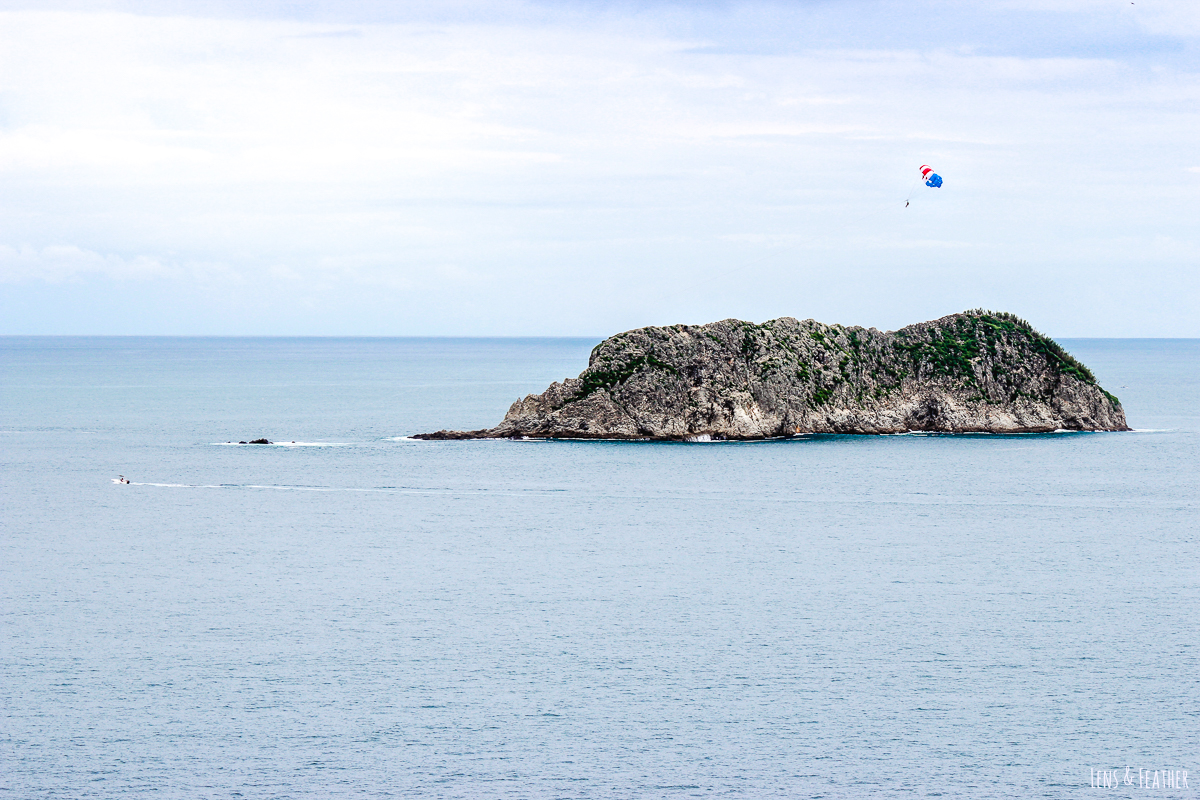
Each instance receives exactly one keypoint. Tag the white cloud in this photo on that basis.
(59, 263)
(546, 168)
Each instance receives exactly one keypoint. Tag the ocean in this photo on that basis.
(352, 613)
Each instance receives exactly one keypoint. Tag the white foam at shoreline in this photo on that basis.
(283, 444)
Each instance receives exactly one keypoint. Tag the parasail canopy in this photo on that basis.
(932, 179)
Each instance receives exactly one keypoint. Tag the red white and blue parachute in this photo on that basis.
(932, 179)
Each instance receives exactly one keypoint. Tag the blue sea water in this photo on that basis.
(360, 615)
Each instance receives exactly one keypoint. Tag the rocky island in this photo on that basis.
(978, 371)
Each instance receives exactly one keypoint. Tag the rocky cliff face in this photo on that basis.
(970, 372)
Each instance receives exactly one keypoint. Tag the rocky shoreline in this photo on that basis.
(974, 372)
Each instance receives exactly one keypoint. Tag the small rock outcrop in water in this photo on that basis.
(978, 371)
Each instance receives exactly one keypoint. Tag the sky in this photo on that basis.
(577, 168)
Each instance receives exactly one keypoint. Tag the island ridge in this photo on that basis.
(978, 371)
